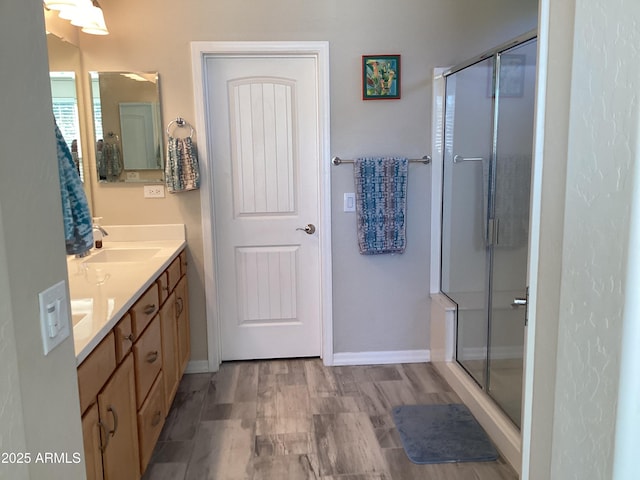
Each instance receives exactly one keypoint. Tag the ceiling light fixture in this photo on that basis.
(85, 14)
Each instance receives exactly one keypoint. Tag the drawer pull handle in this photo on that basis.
(156, 418)
(103, 429)
(149, 309)
(115, 420)
(129, 337)
(152, 356)
(165, 288)
(179, 306)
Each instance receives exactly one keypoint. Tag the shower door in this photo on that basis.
(465, 253)
(514, 145)
(489, 114)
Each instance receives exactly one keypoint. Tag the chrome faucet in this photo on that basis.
(98, 232)
(100, 229)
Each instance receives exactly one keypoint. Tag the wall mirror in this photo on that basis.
(128, 126)
(64, 72)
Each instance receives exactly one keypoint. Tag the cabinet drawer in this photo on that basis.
(144, 310)
(147, 353)
(173, 272)
(124, 337)
(163, 286)
(183, 262)
(150, 421)
(94, 372)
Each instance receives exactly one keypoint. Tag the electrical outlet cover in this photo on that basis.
(154, 191)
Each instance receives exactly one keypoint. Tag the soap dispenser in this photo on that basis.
(98, 232)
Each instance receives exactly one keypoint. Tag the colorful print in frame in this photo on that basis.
(380, 77)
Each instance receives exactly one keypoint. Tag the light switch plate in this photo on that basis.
(349, 202)
(55, 320)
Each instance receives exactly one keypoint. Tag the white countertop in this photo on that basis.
(103, 291)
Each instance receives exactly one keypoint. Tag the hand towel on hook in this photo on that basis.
(381, 199)
(182, 171)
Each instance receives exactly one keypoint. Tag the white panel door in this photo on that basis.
(140, 149)
(265, 164)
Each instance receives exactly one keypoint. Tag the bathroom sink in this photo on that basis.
(76, 318)
(122, 255)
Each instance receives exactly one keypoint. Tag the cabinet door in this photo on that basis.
(147, 352)
(150, 421)
(169, 349)
(91, 441)
(117, 410)
(182, 319)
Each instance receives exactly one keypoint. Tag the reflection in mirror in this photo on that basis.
(65, 110)
(64, 66)
(67, 91)
(128, 126)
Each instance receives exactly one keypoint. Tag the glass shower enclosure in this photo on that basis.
(488, 143)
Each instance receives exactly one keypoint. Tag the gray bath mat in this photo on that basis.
(442, 434)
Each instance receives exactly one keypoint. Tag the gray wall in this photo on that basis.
(380, 304)
(39, 407)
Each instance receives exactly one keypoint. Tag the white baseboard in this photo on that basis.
(197, 366)
(381, 358)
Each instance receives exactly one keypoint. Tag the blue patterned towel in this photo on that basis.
(381, 199)
(78, 232)
(182, 172)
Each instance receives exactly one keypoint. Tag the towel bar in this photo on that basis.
(424, 160)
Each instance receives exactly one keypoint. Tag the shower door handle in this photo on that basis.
(519, 302)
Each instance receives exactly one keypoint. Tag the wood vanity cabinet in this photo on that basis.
(109, 425)
(117, 412)
(174, 319)
(127, 383)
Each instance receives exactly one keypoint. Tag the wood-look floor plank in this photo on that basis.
(424, 378)
(172, 452)
(182, 422)
(298, 467)
(360, 476)
(299, 443)
(321, 405)
(165, 471)
(246, 383)
(229, 411)
(320, 380)
(222, 450)
(222, 387)
(297, 419)
(346, 444)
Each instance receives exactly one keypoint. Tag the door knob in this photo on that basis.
(309, 229)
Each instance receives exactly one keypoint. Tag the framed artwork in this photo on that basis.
(380, 77)
(512, 75)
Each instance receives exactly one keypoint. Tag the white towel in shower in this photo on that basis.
(511, 199)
